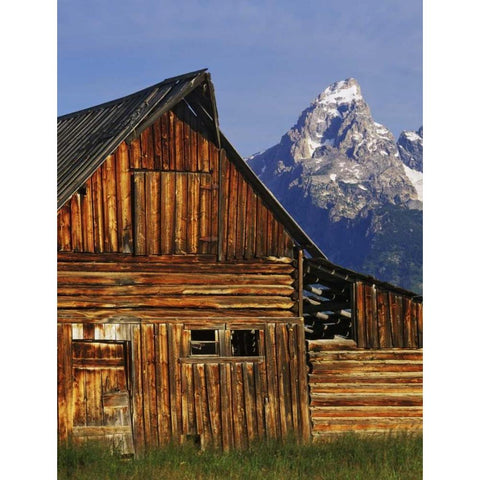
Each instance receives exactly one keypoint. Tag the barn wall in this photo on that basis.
(365, 391)
(162, 194)
(226, 402)
(175, 283)
(385, 319)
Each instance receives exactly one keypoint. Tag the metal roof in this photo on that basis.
(85, 138)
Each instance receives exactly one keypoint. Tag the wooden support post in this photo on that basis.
(300, 282)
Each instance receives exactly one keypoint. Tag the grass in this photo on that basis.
(348, 457)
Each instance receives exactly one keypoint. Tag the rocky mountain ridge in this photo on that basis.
(349, 183)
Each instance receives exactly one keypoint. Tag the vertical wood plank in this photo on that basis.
(226, 406)
(231, 223)
(284, 393)
(214, 200)
(174, 336)
(273, 424)
(179, 150)
(269, 231)
(371, 316)
(98, 220)
(293, 366)
(163, 383)
(260, 395)
(147, 149)
(76, 223)
(181, 209)
(167, 213)
(135, 154)
(152, 213)
(64, 382)
(87, 218)
(157, 144)
(149, 385)
(137, 390)
(407, 323)
(360, 315)
(249, 396)
(261, 230)
(238, 409)
(172, 140)
(223, 207)
(241, 214)
(419, 312)
(110, 204)
(140, 233)
(212, 376)
(207, 427)
(192, 120)
(187, 147)
(193, 213)
(198, 402)
(250, 219)
(165, 142)
(188, 404)
(204, 213)
(64, 238)
(203, 151)
(303, 383)
(124, 200)
(385, 335)
(398, 320)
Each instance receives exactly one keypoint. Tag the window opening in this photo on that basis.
(204, 342)
(244, 343)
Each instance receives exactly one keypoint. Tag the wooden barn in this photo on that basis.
(192, 307)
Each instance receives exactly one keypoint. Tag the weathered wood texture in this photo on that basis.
(100, 393)
(160, 195)
(228, 402)
(106, 283)
(384, 319)
(367, 391)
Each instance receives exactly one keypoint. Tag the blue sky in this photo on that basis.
(268, 59)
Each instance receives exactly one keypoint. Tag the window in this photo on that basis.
(204, 342)
(224, 342)
(244, 343)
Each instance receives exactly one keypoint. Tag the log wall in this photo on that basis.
(173, 284)
(162, 194)
(385, 319)
(364, 391)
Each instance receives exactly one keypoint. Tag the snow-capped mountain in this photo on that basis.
(345, 178)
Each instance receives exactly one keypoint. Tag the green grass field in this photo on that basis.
(348, 457)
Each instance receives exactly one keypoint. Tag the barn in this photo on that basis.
(192, 306)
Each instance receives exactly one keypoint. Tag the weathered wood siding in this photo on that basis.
(384, 319)
(225, 401)
(366, 391)
(162, 194)
(173, 284)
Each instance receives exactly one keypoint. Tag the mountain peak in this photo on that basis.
(341, 92)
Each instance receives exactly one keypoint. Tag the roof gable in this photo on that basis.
(85, 138)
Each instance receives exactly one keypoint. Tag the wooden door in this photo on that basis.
(101, 397)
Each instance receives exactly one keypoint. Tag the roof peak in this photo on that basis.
(142, 91)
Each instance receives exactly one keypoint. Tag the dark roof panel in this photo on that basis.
(85, 138)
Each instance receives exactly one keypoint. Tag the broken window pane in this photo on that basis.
(245, 343)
